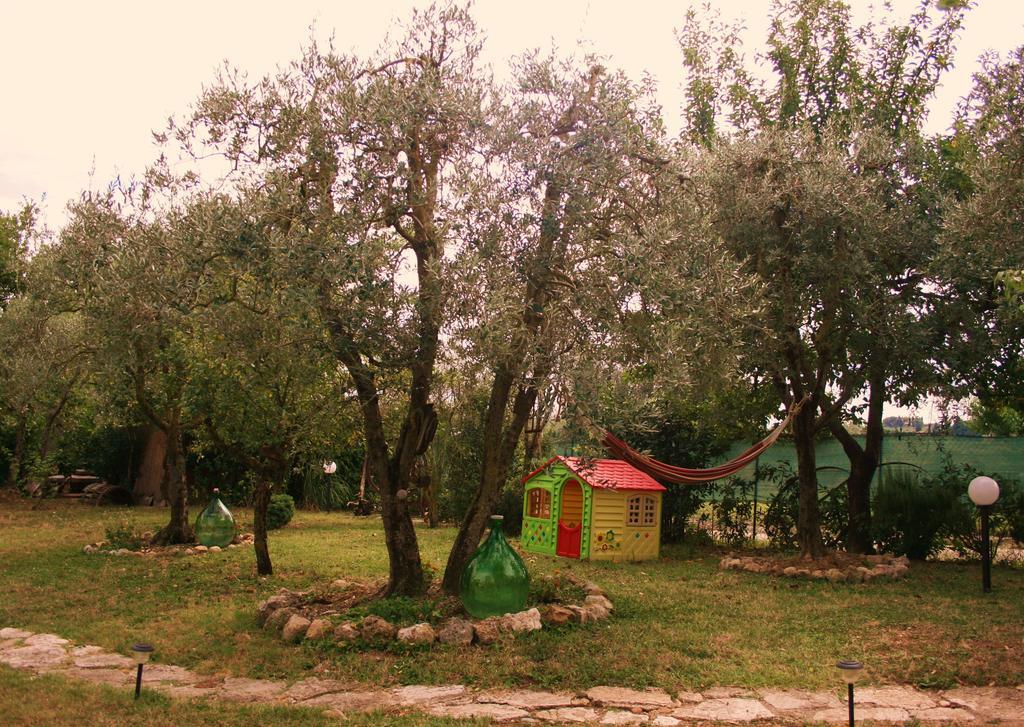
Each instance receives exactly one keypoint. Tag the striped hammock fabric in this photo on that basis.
(684, 476)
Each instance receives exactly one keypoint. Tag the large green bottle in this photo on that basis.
(215, 525)
(495, 581)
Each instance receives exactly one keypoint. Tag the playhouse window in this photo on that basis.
(641, 510)
(539, 503)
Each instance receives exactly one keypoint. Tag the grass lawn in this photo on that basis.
(680, 622)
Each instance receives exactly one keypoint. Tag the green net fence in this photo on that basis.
(998, 457)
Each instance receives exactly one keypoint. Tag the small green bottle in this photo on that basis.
(495, 581)
(215, 525)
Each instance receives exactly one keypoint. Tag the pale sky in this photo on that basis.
(86, 83)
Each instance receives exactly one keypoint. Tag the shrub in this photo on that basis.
(124, 534)
(280, 511)
(555, 589)
(733, 508)
(403, 611)
(910, 515)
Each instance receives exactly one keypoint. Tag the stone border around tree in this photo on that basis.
(879, 566)
(284, 613)
(102, 547)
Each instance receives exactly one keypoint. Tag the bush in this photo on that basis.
(733, 508)
(280, 511)
(124, 534)
(555, 589)
(910, 515)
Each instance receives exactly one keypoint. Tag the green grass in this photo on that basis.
(680, 622)
(52, 700)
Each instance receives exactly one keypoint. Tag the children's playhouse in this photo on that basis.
(596, 509)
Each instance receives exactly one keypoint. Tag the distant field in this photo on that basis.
(999, 457)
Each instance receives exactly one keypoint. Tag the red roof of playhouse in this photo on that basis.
(605, 474)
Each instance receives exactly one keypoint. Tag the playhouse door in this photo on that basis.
(570, 521)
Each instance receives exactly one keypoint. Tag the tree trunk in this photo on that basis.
(808, 528)
(499, 449)
(260, 503)
(18, 456)
(179, 529)
(864, 462)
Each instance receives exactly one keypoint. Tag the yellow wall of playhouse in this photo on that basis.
(611, 538)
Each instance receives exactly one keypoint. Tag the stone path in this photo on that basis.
(47, 653)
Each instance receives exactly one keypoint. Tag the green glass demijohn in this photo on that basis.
(495, 581)
(215, 525)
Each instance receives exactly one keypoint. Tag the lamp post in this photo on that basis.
(141, 652)
(850, 671)
(984, 491)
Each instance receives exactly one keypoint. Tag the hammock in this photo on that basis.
(683, 476)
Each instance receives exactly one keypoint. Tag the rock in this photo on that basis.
(789, 572)
(340, 703)
(581, 615)
(214, 548)
(416, 694)
(340, 584)
(46, 640)
(456, 631)
(600, 601)
(320, 628)
(295, 628)
(619, 717)
(122, 551)
(277, 619)
(835, 575)
(10, 632)
(596, 611)
(346, 632)
(568, 714)
(726, 692)
(417, 634)
(944, 714)
(725, 710)
(553, 615)
(89, 549)
(663, 720)
(495, 712)
(620, 697)
(374, 628)
(200, 549)
(690, 697)
(232, 546)
(265, 608)
(43, 656)
(521, 622)
(592, 589)
(486, 631)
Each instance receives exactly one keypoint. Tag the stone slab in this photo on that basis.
(312, 687)
(526, 699)
(9, 632)
(418, 694)
(34, 657)
(102, 660)
(113, 677)
(620, 697)
(899, 697)
(946, 714)
(1003, 703)
(46, 640)
(785, 700)
(878, 714)
(620, 717)
(342, 702)
(494, 712)
(241, 689)
(663, 720)
(569, 714)
(168, 673)
(734, 709)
